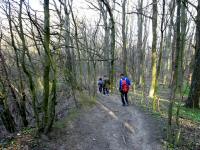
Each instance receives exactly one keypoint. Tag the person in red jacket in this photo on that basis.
(124, 85)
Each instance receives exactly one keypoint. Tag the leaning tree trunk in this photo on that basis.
(21, 104)
(23, 63)
(194, 94)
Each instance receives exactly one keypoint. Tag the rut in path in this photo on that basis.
(136, 133)
(109, 126)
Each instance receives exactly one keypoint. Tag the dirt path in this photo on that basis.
(108, 126)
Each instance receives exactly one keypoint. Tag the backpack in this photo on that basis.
(125, 86)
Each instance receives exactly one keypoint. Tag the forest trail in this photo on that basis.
(108, 126)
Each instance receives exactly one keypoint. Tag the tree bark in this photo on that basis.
(139, 43)
(5, 114)
(176, 71)
(159, 59)
(124, 50)
(154, 55)
(194, 94)
(112, 52)
(106, 38)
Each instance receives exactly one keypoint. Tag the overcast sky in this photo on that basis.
(81, 10)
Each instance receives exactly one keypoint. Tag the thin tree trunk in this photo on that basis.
(159, 59)
(139, 42)
(106, 38)
(46, 78)
(143, 80)
(77, 46)
(177, 66)
(26, 71)
(124, 51)
(19, 105)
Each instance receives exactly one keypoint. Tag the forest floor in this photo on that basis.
(104, 124)
(107, 126)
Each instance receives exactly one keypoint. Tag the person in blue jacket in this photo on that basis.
(124, 85)
(100, 85)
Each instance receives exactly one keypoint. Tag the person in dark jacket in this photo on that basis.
(100, 85)
(124, 85)
(106, 84)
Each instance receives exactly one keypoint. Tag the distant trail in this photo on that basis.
(109, 126)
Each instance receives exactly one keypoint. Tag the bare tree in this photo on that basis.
(112, 51)
(124, 37)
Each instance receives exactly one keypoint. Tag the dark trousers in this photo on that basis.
(105, 91)
(100, 88)
(124, 97)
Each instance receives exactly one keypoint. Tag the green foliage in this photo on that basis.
(28, 131)
(186, 89)
(186, 113)
(156, 114)
(191, 114)
(86, 101)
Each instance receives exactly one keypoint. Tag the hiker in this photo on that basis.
(124, 85)
(106, 84)
(100, 85)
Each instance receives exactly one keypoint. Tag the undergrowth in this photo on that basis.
(85, 102)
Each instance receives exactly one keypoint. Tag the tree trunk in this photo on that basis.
(159, 59)
(139, 43)
(23, 63)
(78, 48)
(106, 38)
(47, 62)
(143, 79)
(21, 104)
(124, 51)
(112, 52)
(154, 55)
(194, 94)
(170, 42)
(177, 66)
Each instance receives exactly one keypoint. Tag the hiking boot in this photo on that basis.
(123, 105)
